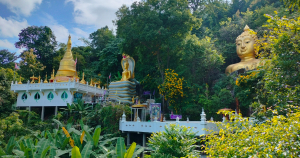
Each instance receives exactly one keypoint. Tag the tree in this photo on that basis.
(29, 65)
(109, 60)
(101, 38)
(7, 59)
(155, 30)
(42, 41)
(7, 97)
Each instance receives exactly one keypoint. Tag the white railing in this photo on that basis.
(70, 85)
(150, 127)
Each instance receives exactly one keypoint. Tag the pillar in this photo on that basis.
(42, 114)
(29, 109)
(144, 139)
(55, 113)
(128, 138)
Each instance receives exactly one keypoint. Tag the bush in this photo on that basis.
(12, 126)
(178, 141)
(277, 137)
(108, 117)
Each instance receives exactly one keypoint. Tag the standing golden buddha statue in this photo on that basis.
(246, 52)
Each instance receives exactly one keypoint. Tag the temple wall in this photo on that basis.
(44, 100)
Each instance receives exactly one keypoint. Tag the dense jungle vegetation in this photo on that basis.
(181, 49)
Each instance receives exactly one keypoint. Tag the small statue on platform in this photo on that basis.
(126, 74)
(82, 80)
(246, 52)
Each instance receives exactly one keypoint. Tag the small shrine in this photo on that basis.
(62, 88)
(124, 90)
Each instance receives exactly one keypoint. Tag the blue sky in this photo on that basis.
(78, 18)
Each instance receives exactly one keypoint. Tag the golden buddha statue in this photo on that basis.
(82, 80)
(46, 79)
(246, 52)
(122, 91)
(126, 74)
(67, 66)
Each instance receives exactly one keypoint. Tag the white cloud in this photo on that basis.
(61, 33)
(97, 12)
(11, 27)
(24, 7)
(81, 33)
(6, 44)
(19, 51)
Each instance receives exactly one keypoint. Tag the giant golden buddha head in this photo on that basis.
(246, 50)
(245, 43)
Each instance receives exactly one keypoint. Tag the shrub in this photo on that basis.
(108, 117)
(277, 137)
(178, 141)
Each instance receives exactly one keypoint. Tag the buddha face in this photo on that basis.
(245, 46)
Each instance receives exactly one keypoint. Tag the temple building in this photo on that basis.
(62, 88)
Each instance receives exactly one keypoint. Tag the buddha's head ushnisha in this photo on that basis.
(245, 44)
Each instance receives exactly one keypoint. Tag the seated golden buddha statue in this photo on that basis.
(124, 90)
(246, 52)
(126, 74)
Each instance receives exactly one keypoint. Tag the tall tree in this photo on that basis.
(42, 40)
(99, 40)
(29, 65)
(155, 29)
(7, 97)
(7, 59)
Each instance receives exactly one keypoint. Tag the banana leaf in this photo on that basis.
(61, 152)
(29, 144)
(18, 153)
(87, 149)
(75, 152)
(77, 141)
(120, 148)
(137, 152)
(52, 153)
(65, 143)
(49, 135)
(10, 145)
(130, 151)
(44, 146)
(96, 136)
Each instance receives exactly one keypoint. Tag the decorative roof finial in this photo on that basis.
(46, 79)
(20, 82)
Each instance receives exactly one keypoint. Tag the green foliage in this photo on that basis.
(7, 59)
(75, 152)
(177, 141)
(109, 59)
(172, 89)
(277, 137)
(76, 110)
(7, 97)
(108, 117)
(162, 27)
(67, 141)
(43, 41)
(30, 65)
